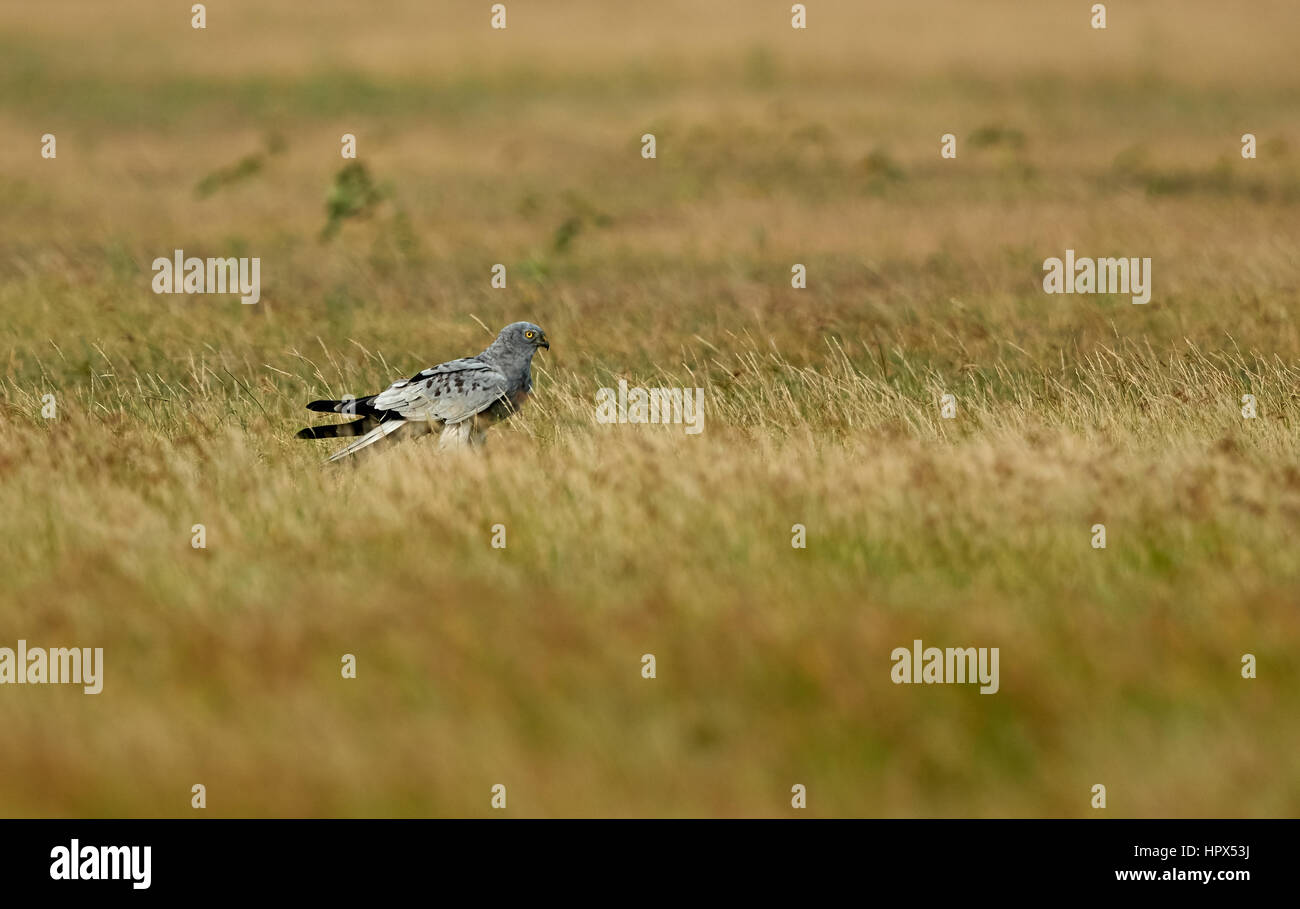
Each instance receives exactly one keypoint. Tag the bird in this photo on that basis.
(461, 397)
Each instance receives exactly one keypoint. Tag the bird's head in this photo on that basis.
(524, 335)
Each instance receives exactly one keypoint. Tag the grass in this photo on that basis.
(522, 665)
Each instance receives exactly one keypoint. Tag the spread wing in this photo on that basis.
(450, 392)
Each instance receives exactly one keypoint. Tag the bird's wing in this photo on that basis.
(450, 392)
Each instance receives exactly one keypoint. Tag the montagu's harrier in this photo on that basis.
(460, 397)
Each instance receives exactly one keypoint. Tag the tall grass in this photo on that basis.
(522, 665)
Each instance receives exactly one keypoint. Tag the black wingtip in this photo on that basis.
(323, 406)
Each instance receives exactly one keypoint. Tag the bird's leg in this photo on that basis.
(478, 433)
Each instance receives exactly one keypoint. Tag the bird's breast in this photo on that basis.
(506, 405)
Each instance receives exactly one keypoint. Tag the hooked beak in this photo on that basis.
(542, 342)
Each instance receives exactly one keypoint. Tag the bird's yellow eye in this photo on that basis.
(528, 334)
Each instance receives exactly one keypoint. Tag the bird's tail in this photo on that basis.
(338, 430)
(324, 406)
(380, 432)
(362, 408)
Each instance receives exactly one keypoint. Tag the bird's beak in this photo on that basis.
(542, 342)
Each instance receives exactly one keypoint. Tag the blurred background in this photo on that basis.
(774, 146)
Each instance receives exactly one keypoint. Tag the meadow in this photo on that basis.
(522, 666)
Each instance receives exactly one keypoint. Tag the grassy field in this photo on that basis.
(522, 666)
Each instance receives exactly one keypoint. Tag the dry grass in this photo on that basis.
(522, 665)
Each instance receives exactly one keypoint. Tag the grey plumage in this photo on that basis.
(461, 397)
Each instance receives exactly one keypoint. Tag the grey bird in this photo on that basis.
(460, 397)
